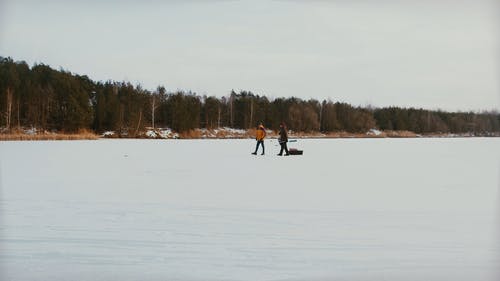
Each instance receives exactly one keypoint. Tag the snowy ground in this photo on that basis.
(196, 210)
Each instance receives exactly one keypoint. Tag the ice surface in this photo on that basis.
(348, 209)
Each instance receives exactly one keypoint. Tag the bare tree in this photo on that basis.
(231, 109)
(154, 105)
(8, 112)
(218, 116)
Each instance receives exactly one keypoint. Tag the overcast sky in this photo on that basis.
(436, 54)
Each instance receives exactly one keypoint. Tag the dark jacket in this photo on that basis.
(283, 135)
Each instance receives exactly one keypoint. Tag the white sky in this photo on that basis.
(433, 54)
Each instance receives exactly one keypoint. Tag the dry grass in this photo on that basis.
(342, 134)
(216, 134)
(400, 134)
(222, 134)
(251, 133)
(246, 135)
(17, 136)
(191, 134)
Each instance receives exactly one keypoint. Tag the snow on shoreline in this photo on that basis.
(232, 133)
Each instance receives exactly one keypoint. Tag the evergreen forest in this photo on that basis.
(58, 100)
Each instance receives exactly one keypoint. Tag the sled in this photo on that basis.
(294, 151)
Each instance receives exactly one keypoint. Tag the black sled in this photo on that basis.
(294, 151)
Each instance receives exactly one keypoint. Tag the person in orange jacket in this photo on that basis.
(260, 134)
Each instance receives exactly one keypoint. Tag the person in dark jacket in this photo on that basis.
(260, 134)
(283, 139)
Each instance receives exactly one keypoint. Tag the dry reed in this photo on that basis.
(17, 136)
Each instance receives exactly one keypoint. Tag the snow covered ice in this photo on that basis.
(193, 210)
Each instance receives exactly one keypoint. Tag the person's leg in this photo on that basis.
(256, 148)
(263, 149)
(281, 150)
(286, 150)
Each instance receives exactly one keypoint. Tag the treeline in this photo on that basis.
(49, 99)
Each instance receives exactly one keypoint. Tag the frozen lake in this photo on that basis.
(197, 210)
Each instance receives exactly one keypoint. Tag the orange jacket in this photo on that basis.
(261, 133)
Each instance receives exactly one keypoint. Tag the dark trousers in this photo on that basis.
(259, 142)
(283, 147)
